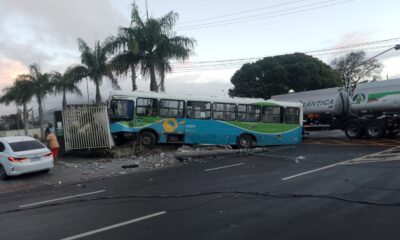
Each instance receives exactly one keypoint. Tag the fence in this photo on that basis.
(86, 127)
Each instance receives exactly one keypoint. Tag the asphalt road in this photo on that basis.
(302, 192)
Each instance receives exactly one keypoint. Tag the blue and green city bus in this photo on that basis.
(164, 118)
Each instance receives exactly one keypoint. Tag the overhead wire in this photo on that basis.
(242, 12)
(300, 9)
(236, 63)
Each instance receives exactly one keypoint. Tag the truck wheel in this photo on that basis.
(245, 141)
(374, 130)
(353, 131)
(148, 138)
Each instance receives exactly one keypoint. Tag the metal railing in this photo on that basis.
(86, 127)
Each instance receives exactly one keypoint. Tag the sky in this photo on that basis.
(46, 32)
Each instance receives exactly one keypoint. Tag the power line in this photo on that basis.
(253, 18)
(242, 12)
(259, 15)
(223, 66)
(238, 60)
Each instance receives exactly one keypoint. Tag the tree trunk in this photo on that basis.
(25, 113)
(41, 117)
(64, 101)
(98, 96)
(133, 76)
(162, 86)
(153, 81)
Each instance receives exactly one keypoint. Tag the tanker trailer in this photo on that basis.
(323, 109)
(373, 110)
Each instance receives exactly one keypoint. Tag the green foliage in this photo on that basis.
(152, 43)
(354, 68)
(279, 74)
(40, 86)
(67, 82)
(95, 66)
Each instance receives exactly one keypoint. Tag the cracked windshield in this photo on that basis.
(213, 119)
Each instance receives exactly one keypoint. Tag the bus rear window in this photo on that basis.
(26, 146)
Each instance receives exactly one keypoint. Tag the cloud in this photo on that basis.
(47, 30)
(9, 69)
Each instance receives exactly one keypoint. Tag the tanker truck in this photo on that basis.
(372, 111)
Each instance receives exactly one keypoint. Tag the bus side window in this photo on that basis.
(292, 115)
(198, 110)
(121, 109)
(272, 114)
(224, 111)
(146, 107)
(172, 108)
(248, 113)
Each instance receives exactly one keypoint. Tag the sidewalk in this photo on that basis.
(77, 170)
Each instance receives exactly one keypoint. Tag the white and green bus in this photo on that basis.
(185, 119)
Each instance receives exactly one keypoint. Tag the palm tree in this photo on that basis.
(95, 66)
(158, 43)
(41, 86)
(67, 82)
(127, 58)
(21, 94)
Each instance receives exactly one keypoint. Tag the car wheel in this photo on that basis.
(3, 173)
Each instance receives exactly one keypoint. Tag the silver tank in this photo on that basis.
(330, 100)
(380, 96)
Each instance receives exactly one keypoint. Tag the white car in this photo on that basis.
(19, 155)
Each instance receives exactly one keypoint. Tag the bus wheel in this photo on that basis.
(245, 141)
(353, 131)
(148, 139)
(374, 130)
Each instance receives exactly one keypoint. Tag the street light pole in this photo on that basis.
(396, 47)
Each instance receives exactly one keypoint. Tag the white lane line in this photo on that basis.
(312, 171)
(339, 163)
(114, 226)
(227, 166)
(63, 198)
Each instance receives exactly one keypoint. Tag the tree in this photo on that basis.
(280, 74)
(67, 82)
(95, 66)
(158, 44)
(21, 94)
(354, 68)
(41, 85)
(127, 58)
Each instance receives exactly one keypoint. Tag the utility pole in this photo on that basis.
(396, 47)
(147, 10)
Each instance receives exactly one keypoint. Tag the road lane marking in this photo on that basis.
(227, 166)
(63, 198)
(358, 160)
(114, 226)
(312, 171)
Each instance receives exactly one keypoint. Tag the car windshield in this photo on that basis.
(26, 146)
